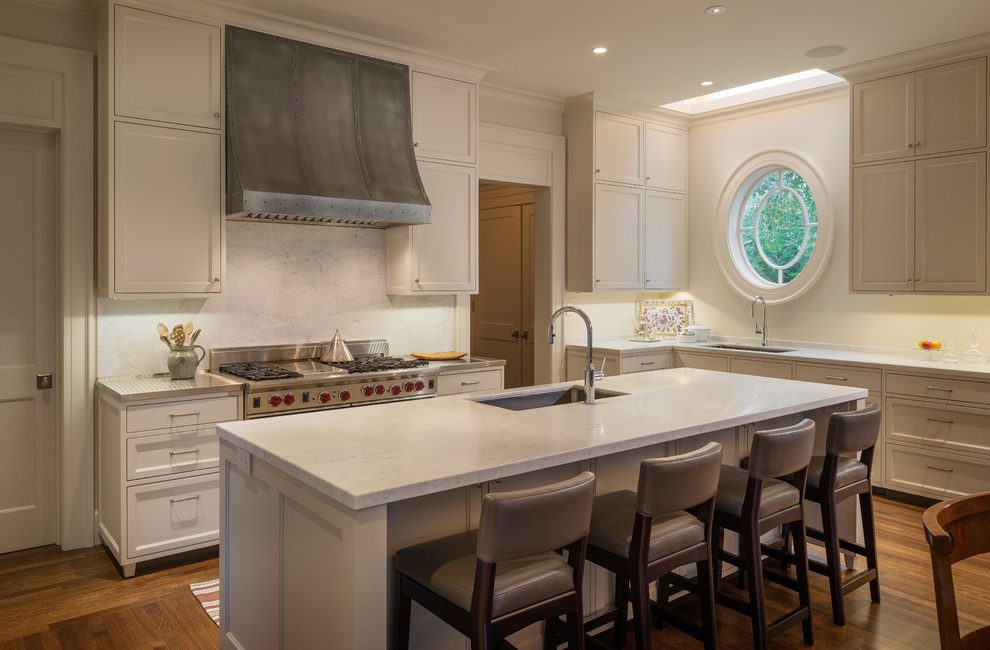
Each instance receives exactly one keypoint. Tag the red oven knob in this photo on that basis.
(396, 389)
(289, 399)
(324, 397)
(420, 385)
(344, 395)
(379, 389)
(409, 386)
(368, 391)
(275, 400)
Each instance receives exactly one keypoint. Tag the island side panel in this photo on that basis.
(329, 574)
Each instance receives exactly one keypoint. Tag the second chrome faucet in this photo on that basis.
(752, 312)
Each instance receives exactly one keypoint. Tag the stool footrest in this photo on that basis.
(844, 544)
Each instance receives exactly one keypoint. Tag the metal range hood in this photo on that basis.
(316, 135)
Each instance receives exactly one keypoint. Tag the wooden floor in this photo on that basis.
(51, 599)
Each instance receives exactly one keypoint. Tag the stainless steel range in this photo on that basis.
(286, 379)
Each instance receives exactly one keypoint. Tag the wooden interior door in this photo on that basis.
(529, 332)
(27, 339)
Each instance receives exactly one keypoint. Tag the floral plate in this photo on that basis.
(666, 317)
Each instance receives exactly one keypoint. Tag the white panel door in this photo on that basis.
(618, 224)
(951, 107)
(618, 149)
(666, 157)
(665, 241)
(883, 227)
(446, 250)
(951, 224)
(167, 218)
(883, 119)
(27, 339)
(444, 114)
(166, 69)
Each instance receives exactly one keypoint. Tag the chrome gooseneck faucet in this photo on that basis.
(590, 375)
(752, 312)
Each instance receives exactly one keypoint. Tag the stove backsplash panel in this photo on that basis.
(283, 285)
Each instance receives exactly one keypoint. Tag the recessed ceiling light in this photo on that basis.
(715, 10)
(707, 83)
(599, 50)
(825, 51)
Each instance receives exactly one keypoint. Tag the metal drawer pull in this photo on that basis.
(646, 363)
(196, 496)
(470, 383)
(184, 415)
(835, 378)
(946, 420)
(941, 469)
(176, 452)
(941, 388)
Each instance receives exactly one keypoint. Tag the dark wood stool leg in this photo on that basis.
(718, 541)
(833, 558)
(403, 611)
(621, 611)
(706, 592)
(550, 634)
(640, 595)
(749, 550)
(870, 542)
(575, 630)
(801, 563)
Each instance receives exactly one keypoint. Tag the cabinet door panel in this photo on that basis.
(666, 157)
(951, 107)
(167, 218)
(883, 228)
(446, 249)
(618, 149)
(951, 223)
(665, 241)
(443, 117)
(166, 69)
(883, 119)
(618, 222)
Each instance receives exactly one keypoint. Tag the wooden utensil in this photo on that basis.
(162, 330)
(178, 335)
(188, 329)
(165, 341)
(195, 335)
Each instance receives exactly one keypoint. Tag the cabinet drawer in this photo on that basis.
(934, 473)
(172, 453)
(642, 362)
(178, 414)
(951, 427)
(760, 368)
(173, 514)
(939, 388)
(703, 361)
(869, 379)
(469, 382)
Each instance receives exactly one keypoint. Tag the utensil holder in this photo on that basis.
(183, 360)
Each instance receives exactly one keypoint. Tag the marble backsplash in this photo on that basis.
(284, 283)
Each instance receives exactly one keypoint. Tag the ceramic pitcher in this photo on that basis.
(182, 360)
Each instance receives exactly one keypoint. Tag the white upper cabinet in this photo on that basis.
(951, 107)
(618, 149)
(166, 201)
(618, 228)
(933, 111)
(883, 227)
(666, 157)
(167, 69)
(665, 240)
(445, 118)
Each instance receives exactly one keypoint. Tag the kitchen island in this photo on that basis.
(315, 505)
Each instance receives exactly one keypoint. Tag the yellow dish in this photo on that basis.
(439, 356)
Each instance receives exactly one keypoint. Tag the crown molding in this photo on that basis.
(913, 60)
(812, 95)
(599, 102)
(513, 96)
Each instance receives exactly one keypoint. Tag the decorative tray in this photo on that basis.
(665, 318)
(439, 356)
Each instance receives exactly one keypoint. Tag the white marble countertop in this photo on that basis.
(131, 388)
(890, 359)
(367, 457)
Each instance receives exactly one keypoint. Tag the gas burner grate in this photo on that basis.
(373, 363)
(258, 371)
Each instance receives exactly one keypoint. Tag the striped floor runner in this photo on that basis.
(208, 595)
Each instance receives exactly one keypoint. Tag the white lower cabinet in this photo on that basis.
(470, 381)
(157, 474)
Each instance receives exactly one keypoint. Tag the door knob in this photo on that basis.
(525, 334)
(44, 382)
(515, 334)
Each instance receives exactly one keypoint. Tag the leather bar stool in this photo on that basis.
(754, 501)
(507, 574)
(832, 479)
(642, 536)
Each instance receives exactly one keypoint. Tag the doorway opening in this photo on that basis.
(502, 312)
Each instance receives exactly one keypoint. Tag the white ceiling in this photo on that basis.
(659, 50)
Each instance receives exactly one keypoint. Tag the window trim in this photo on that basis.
(729, 212)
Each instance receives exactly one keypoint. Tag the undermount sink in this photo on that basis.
(749, 348)
(541, 399)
